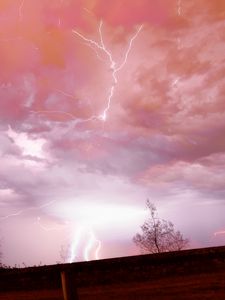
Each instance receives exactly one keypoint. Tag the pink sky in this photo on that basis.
(102, 105)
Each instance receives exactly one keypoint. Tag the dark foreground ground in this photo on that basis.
(191, 274)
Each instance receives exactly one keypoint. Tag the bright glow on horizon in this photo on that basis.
(90, 217)
(96, 214)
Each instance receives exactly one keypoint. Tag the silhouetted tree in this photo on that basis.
(1, 257)
(158, 235)
(64, 253)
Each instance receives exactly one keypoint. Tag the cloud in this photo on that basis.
(205, 176)
(129, 13)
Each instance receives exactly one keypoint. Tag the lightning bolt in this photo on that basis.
(20, 10)
(174, 83)
(179, 7)
(91, 242)
(179, 12)
(114, 67)
(66, 94)
(46, 228)
(97, 257)
(59, 20)
(76, 240)
(24, 210)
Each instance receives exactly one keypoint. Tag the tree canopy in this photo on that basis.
(158, 235)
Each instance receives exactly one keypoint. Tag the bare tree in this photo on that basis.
(64, 253)
(0, 257)
(158, 235)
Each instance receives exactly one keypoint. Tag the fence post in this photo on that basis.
(68, 286)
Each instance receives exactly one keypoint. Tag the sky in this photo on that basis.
(104, 104)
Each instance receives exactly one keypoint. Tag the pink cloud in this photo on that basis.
(129, 13)
(196, 175)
